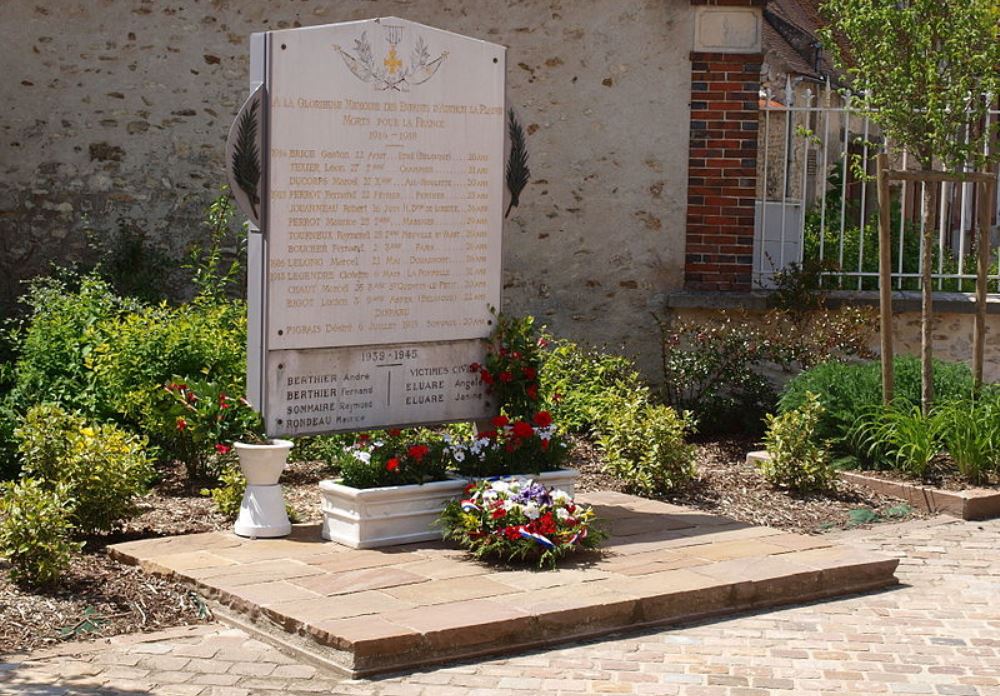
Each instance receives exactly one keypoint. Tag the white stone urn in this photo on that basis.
(262, 512)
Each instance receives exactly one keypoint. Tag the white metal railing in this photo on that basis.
(817, 199)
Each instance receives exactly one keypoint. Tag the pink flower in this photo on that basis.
(222, 449)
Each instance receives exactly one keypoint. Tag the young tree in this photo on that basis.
(929, 71)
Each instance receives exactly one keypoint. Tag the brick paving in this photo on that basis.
(377, 610)
(939, 634)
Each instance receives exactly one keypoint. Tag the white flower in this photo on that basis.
(459, 455)
(500, 486)
(561, 496)
(562, 513)
(365, 457)
(447, 438)
(532, 511)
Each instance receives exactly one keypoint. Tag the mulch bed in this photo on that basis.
(122, 599)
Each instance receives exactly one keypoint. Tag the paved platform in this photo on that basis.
(381, 610)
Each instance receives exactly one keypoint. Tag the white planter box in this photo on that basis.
(373, 517)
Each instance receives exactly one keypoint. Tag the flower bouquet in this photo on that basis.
(392, 458)
(516, 519)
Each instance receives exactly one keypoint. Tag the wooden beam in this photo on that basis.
(985, 201)
(885, 275)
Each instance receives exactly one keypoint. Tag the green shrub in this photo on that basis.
(146, 349)
(970, 432)
(900, 437)
(35, 530)
(796, 460)
(849, 390)
(644, 446)
(582, 385)
(65, 326)
(102, 467)
(227, 496)
(511, 366)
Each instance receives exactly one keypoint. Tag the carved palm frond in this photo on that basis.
(246, 157)
(517, 163)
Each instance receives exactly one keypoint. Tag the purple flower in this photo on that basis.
(536, 493)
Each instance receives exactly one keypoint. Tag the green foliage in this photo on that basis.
(644, 446)
(213, 278)
(849, 390)
(65, 326)
(146, 349)
(581, 386)
(227, 496)
(512, 363)
(860, 516)
(900, 436)
(132, 265)
(715, 367)
(35, 529)
(925, 67)
(102, 467)
(970, 432)
(207, 420)
(323, 448)
(393, 458)
(796, 460)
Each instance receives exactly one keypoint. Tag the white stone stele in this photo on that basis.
(375, 517)
(262, 512)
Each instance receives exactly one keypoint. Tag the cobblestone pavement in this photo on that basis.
(937, 634)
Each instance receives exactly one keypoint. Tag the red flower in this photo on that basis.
(468, 487)
(488, 434)
(545, 445)
(516, 355)
(181, 424)
(395, 432)
(392, 465)
(498, 513)
(532, 392)
(500, 421)
(557, 397)
(543, 419)
(485, 375)
(523, 429)
(363, 438)
(418, 452)
(222, 449)
(512, 533)
(475, 367)
(506, 376)
(542, 342)
(529, 372)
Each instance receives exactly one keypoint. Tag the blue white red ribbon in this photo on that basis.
(538, 538)
(469, 506)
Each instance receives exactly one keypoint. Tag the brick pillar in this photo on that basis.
(722, 160)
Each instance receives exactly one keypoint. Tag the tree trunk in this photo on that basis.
(927, 304)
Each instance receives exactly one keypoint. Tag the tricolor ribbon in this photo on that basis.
(469, 506)
(538, 538)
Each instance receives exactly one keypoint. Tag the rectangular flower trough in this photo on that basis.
(368, 518)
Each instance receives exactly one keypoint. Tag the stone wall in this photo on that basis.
(118, 109)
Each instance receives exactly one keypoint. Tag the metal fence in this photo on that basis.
(817, 201)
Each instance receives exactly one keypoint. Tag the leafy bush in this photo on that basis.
(900, 436)
(66, 325)
(970, 432)
(511, 367)
(796, 460)
(581, 385)
(207, 421)
(228, 495)
(849, 390)
(716, 368)
(102, 467)
(146, 349)
(644, 446)
(35, 530)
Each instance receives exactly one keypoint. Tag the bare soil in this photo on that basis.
(941, 475)
(101, 597)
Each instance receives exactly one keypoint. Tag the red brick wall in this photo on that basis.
(722, 169)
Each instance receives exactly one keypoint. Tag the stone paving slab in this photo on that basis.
(372, 611)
